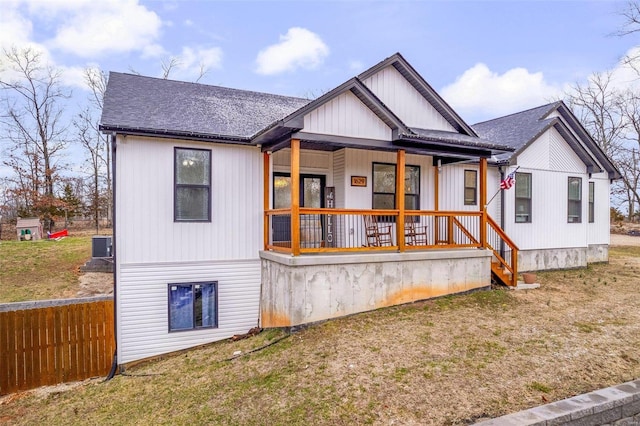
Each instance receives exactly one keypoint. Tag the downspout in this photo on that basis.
(502, 221)
(114, 363)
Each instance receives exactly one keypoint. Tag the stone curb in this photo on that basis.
(616, 405)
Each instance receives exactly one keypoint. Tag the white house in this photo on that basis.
(558, 210)
(235, 208)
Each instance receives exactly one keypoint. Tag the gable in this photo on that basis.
(405, 101)
(550, 151)
(561, 156)
(346, 115)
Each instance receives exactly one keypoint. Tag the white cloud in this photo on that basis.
(356, 66)
(480, 92)
(298, 48)
(192, 61)
(101, 27)
(15, 29)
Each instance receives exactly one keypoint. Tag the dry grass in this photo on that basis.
(43, 269)
(448, 361)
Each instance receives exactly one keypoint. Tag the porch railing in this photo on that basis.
(505, 253)
(346, 230)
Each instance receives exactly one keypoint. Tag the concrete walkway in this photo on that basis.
(616, 406)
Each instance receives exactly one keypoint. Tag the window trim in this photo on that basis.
(578, 201)
(529, 199)
(177, 185)
(373, 184)
(592, 202)
(475, 188)
(193, 307)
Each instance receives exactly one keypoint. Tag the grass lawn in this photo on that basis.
(447, 361)
(43, 269)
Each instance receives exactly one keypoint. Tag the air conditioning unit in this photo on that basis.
(101, 246)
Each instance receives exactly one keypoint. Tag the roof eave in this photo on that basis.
(174, 134)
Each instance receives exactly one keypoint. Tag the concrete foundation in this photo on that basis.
(562, 258)
(598, 253)
(546, 259)
(305, 289)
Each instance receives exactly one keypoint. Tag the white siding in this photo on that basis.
(346, 115)
(598, 231)
(143, 305)
(360, 163)
(452, 189)
(551, 161)
(152, 250)
(536, 156)
(146, 231)
(339, 177)
(549, 227)
(310, 161)
(405, 101)
(561, 156)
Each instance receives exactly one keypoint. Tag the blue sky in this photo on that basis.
(486, 59)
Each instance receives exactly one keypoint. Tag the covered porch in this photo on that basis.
(330, 260)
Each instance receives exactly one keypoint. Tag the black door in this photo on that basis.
(311, 195)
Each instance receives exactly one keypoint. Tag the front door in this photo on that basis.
(311, 195)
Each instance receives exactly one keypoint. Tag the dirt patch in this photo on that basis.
(95, 284)
(625, 240)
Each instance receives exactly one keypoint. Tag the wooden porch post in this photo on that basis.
(400, 200)
(266, 172)
(436, 202)
(436, 187)
(483, 202)
(295, 197)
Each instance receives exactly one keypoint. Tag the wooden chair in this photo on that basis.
(414, 233)
(377, 235)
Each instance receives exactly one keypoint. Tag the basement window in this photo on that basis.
(193, 306)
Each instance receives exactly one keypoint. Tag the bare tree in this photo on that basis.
(97, 81)
(34, 99)
(94, 144)
(599, 108)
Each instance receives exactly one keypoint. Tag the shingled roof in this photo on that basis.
(516, 130)
(174, 108)
(523, 128)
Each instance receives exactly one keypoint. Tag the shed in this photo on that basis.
(29, 229)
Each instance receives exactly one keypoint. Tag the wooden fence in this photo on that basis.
(55, 344)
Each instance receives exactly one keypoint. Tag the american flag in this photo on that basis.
(509, 181)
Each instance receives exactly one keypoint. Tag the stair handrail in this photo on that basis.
(513, 268)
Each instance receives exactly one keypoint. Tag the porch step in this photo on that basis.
(499, 274)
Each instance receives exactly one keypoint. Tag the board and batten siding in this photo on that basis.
(599, 230)
(146, 231)
(405, 101)
(143, 325)
(346, 115)
(360, 163)
(452, 189)
(551, 161)
(153, 251)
